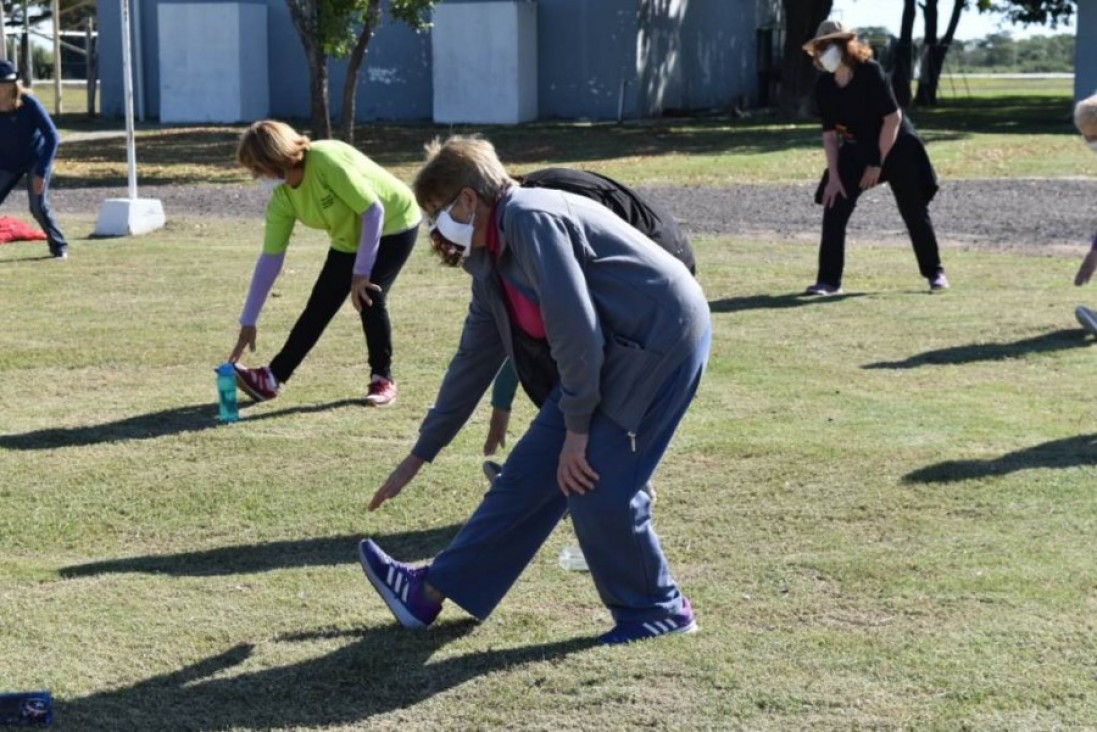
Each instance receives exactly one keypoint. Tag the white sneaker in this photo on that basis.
(1087, 318)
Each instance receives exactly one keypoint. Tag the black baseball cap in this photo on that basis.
(8, 71)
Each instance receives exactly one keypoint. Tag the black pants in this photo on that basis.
(912, 183)
(330, 292)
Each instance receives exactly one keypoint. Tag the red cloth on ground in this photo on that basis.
(13, 229)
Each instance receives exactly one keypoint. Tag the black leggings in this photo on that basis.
(901, 172)
(329, 293)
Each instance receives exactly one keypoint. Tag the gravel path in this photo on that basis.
(1011, 213)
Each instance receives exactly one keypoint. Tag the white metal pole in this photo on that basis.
(138, 62)
(55, 11)
(3, 34)
(127, 93)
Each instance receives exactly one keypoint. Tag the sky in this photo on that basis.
(973, 24)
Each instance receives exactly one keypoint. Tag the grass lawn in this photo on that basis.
(881, 506)
(993, 129)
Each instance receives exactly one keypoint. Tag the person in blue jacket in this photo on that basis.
(28, 145)
(629, 331)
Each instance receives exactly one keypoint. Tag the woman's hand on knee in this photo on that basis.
(832, 191)
(871, 177)
(573, 472)
(360, 287)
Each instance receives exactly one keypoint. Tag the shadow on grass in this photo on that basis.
(1058, 340)
(150, 426)
(408, 546)
(380, 670)
(1070, 452)
(774, 302)
(26, 260)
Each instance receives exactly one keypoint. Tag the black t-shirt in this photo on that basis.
(857, 110)
(650, 219)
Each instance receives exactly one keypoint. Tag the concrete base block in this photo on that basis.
(129, 217)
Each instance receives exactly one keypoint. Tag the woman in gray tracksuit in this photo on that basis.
(629, 331)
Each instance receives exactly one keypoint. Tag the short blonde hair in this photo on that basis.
(459, 162)
(270, 147)
(1085, 116)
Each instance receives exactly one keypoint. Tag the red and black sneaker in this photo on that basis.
(259, 384)
(382, 392)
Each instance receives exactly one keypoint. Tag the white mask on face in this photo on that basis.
(831, 59)
(454, 231)
(269, 184)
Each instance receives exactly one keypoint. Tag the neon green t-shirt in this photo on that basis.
(340, 183)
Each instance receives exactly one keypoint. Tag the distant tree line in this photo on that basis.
(995, 53)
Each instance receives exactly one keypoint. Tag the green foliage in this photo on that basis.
(1039, 12)
(340, 21)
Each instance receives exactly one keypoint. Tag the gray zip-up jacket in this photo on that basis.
(620, 313)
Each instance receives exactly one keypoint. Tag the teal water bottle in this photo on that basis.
(226, 392)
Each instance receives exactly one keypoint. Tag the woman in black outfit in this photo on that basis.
(868, 141)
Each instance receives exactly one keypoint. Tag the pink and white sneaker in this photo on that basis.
(382, 392)
(259, 384)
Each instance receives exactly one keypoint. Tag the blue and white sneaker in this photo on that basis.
(400, 586)
(682, 622)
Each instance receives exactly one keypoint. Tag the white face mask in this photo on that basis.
(269, 184)
(454, 231)
(831, 59)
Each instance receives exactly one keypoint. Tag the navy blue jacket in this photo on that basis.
(28, 139)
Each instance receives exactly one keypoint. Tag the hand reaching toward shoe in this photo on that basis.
(497, 431)
(246, 339)
(398, 478)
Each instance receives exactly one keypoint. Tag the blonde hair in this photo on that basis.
(1085, 116)
(270, 147)
(459, 162)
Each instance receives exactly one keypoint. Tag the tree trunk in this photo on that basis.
(933, 59)
(354, 65)
(802, 18)
(902, 71)
(306, 19)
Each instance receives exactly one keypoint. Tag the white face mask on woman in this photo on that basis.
(831, 58)
(454, 239)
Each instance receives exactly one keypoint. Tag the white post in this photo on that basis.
(55, 11)
(138, 62)
(127, 94)
(3, 34)
(133, 215)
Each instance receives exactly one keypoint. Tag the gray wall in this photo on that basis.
(393, 84)
(1085, 54)
(698, 54)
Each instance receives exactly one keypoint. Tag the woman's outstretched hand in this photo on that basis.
(398, 478)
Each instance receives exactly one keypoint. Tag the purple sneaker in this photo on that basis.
(938, 283)
(682, 622)
(400, 586)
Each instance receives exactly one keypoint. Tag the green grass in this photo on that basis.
(996, 131)
(881, 505)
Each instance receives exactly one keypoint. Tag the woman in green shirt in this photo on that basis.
(373, 221)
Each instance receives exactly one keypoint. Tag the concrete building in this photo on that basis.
(593, 59)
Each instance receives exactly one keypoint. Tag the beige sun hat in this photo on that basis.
(829, 30)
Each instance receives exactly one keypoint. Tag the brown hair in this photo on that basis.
(459, 162)
(269, 147)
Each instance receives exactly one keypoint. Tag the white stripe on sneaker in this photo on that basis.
(388, 579)
(652, 628)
